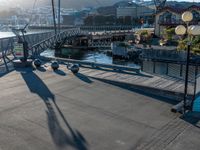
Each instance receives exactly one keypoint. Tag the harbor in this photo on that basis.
(100, 75)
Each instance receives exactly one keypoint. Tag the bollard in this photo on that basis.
(54, 65)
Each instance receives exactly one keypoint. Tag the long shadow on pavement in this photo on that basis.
(129, 87)
(59, 135)
(121, 71)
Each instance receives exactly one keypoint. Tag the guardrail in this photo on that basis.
(164, 55)
(52, 40)
(94, 64)
(7, 44)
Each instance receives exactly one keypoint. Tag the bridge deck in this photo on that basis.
(49, 110)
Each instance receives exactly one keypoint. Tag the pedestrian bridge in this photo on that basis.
(38, 42)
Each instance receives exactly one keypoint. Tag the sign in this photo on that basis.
(19, 50)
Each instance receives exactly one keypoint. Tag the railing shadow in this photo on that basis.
(141, 91)
(60, 137)
(6, 72)
(121, 71)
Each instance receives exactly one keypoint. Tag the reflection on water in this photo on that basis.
(92, 56)
(101, 57)
(5, 34)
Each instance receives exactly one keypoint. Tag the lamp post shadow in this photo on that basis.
(60, 137)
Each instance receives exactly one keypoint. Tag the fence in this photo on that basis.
(176, 70)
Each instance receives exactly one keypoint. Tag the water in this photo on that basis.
(93, 56)
(101, 57)
(11, 34)
(6, 34)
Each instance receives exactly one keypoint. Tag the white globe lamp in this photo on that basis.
(189, 30)
(195, 30)
(180, 30)
(187, 16)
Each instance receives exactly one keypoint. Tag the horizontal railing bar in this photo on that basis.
(94, 64)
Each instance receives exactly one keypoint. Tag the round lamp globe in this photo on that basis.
(180, 30)
(195, 30)
(190, 28)
(187, 16)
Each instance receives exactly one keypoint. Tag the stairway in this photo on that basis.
(196, 105)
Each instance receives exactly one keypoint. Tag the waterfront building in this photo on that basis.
(137, 11)
(171, 17)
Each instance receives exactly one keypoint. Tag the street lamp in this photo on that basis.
(189, 31)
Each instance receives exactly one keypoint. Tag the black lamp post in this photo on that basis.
(189, 31)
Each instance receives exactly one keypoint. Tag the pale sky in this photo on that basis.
(182, 0)
(187, 0)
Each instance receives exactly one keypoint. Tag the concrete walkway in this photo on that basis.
(46, 110)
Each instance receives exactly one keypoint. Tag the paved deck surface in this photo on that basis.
(46, 110)
(166, 83)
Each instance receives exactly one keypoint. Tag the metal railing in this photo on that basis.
(136, 69)
(175, 22)
(165, 55)
(52, 40)
(38, 42)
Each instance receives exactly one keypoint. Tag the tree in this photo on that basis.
(195, 44)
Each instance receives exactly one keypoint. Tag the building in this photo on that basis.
(171, 17)
(137, 11)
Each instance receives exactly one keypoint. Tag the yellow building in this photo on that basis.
(171, 17)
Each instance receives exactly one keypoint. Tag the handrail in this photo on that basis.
(94, 64)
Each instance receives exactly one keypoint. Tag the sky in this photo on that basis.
(188, 0)
(182, 0)
(5, 4)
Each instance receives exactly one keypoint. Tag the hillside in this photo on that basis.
(109, 5)
(76, 4)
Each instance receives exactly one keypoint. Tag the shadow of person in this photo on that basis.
(83, 78)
